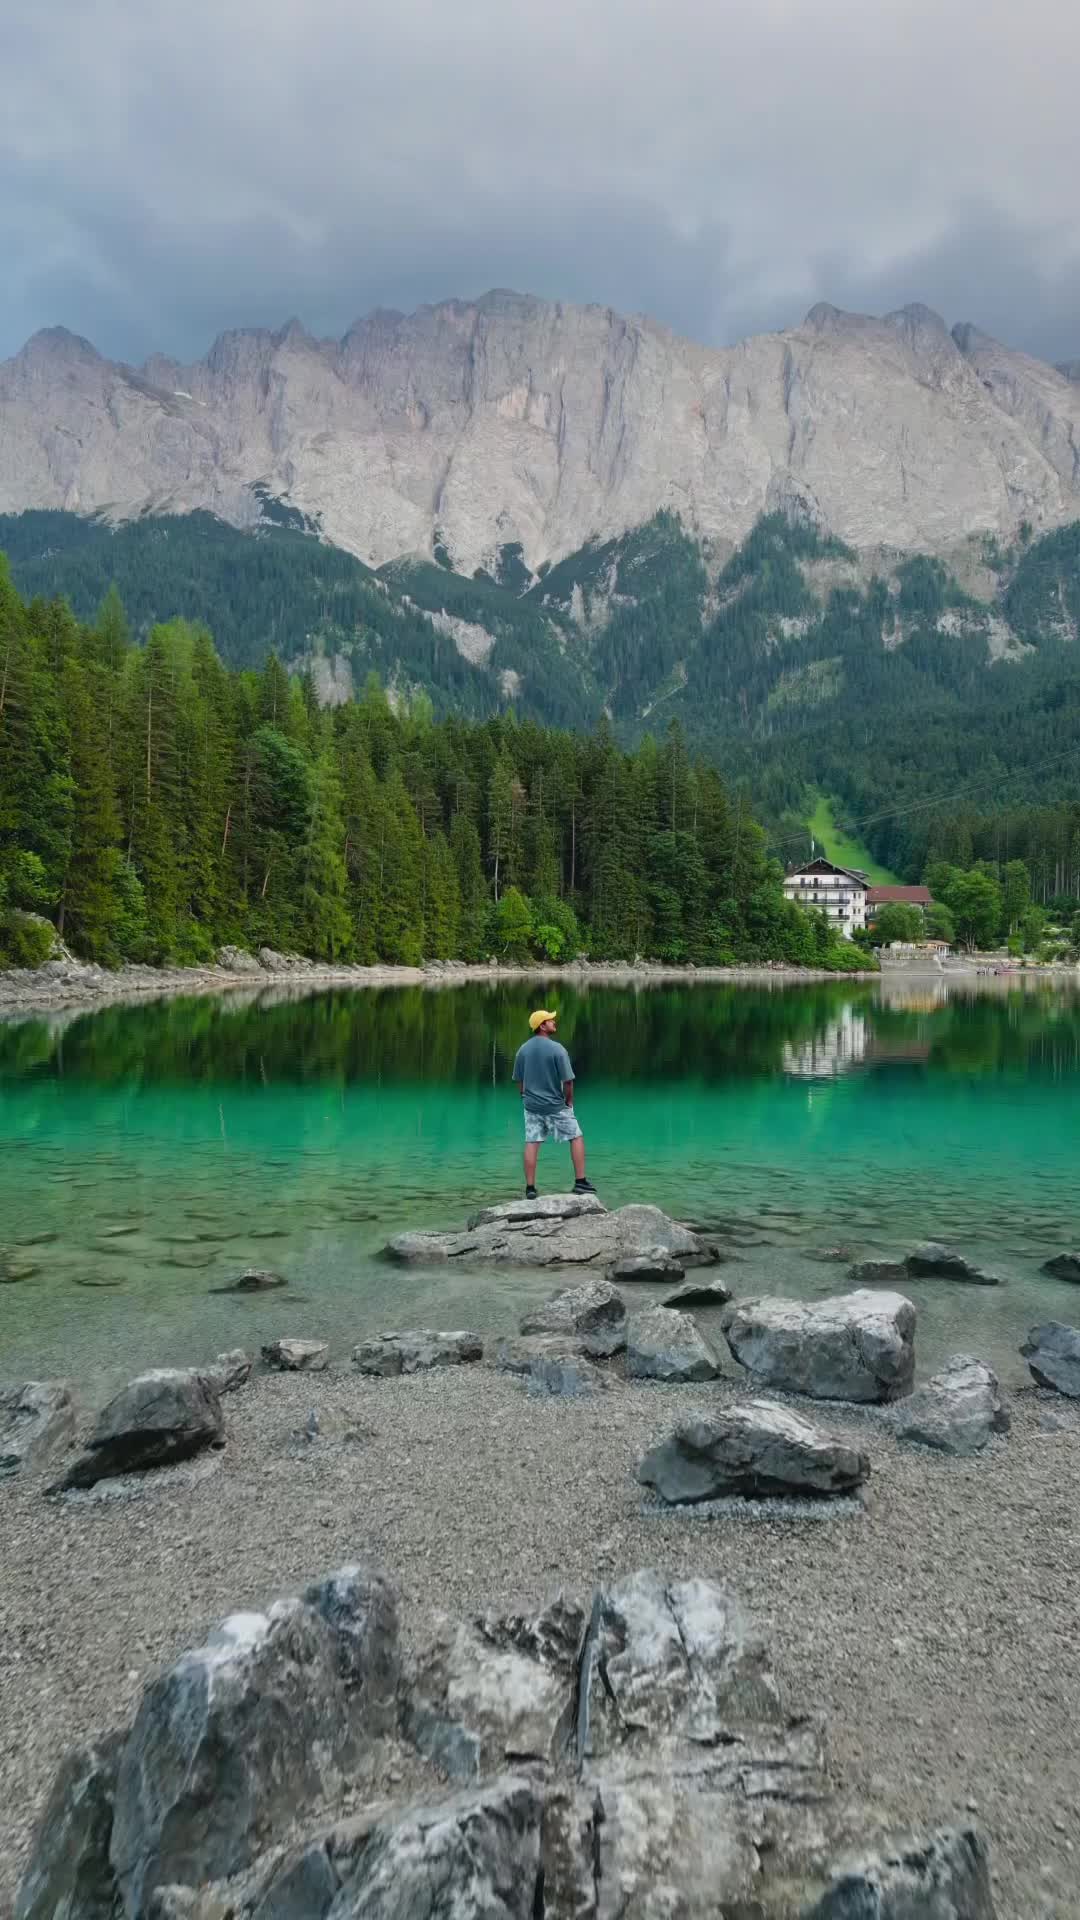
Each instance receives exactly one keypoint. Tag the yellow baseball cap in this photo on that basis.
(537, 1019)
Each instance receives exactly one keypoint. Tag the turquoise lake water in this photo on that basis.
(151, 1153)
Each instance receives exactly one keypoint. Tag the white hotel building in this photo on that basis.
(837, 892)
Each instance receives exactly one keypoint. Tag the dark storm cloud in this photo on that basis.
(166, 172)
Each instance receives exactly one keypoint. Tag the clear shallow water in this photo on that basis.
(149, 1154)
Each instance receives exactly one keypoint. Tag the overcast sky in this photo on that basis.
(167, 171)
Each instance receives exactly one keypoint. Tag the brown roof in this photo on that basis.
(910, 896)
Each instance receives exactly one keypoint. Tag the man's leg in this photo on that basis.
(532, 1148)
(577, 1155)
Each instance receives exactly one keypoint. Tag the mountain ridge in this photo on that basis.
(470, 428)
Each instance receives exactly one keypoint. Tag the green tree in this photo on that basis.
(513, 926)
(325, 923)
(898, 920)
(1016, 894)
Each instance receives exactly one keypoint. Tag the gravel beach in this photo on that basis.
(933, 1623)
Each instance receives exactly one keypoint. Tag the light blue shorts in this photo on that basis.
(551, 1126)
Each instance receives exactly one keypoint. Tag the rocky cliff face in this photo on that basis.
(473, 426)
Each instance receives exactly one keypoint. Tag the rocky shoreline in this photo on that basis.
(63, 984)
(640, 1637)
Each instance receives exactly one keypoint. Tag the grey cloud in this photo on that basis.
(165, 173)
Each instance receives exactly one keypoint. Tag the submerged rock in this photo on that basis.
(760, 1450)
(556, 1230)
(852, 1346)
(253, 1280)
(297, 1356)
(1052, 1352)
(1063, 1266)
(664, 1344)
(37, 1419)
(417, 1351)
(594, 1310)
(944, 1878)
(957, 1410)
(931, 1261)
(159, 1418)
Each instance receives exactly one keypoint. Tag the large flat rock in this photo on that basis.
(852, 1346)
(566, 1230)
(761, 1450)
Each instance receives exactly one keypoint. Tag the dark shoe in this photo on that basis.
(531, 1193)
(584, 1186)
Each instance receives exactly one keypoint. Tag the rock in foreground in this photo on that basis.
(242, 1734)
(157, 1419)
(698, 1293)
(626, 1757)
(37, 1419)
(417, 1351)
(852, 1346)
(558, 1230)
(957, 1411)
(948, 1878)
(595, 1312)
(664, 1344)
(1052, 1352)
(760, 1450)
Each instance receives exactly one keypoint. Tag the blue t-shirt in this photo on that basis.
(541, 1067)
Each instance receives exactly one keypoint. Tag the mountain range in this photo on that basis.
(471, 429)
(846, 558)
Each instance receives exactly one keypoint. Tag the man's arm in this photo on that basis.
(568, 1078)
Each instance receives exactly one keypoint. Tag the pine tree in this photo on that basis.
(325, 924)
(89, 905)
(472, 888)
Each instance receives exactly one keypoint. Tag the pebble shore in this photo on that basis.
(931, 1622)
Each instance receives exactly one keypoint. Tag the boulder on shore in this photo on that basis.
(957, 1411)
(556, 1230)
(1063, 1266)
(852, 1346)
(594, 1310)
(664, 1344)
(417, 1351)
(945, 1878)
(552, 1365)
(37, 1419)
(760, 1450)
(297, 1356)
(1052, 1352)
(497, 1691)
(159, 1418)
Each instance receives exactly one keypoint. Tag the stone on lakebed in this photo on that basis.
(1063, 1266)
(593, 1310)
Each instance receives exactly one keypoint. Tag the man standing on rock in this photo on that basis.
(546, 1079)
